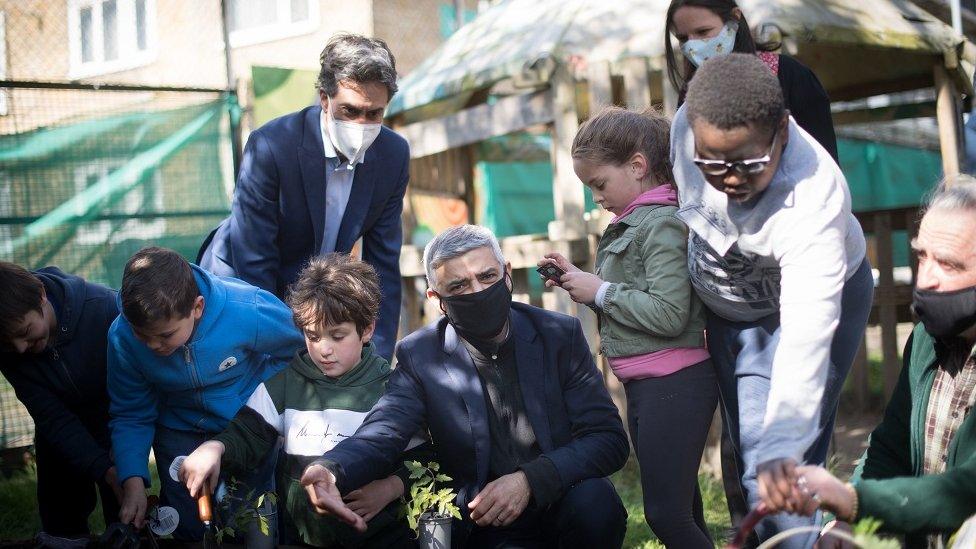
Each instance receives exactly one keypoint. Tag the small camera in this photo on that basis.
(551, 272)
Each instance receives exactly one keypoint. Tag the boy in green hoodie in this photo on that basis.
(319, 399)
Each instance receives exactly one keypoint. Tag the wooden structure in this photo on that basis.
(548, 64)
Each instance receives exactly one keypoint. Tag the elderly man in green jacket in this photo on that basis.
(918, 475)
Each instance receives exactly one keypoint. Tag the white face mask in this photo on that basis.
(700, 50)
(350, 138)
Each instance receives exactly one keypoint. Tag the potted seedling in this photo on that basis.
(430, 509)
(249, 517)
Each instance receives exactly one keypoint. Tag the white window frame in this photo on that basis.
(130, 57)
(283, 28)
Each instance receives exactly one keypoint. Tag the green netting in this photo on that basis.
(88, 177)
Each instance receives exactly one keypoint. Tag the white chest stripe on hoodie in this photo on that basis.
(314, 432)
(261, 403)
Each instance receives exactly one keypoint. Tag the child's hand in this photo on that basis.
(560, 261)
(133, 509)
(203, 465)
(370, 499)
(582, 286)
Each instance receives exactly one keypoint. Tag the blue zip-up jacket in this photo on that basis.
(245, 336)
(63, 387)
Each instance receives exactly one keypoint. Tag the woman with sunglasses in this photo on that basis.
(707, 28)
(779, 261)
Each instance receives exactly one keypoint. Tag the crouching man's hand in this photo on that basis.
(324, 496)
(501, 501)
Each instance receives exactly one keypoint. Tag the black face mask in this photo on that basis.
(945, 314)
(482, 315)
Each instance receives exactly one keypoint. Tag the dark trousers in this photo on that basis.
(167, 446)
(67, 496)
(668, 419)
(590, 514)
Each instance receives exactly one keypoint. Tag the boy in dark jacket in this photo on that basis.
(321, 398)
(52, 331)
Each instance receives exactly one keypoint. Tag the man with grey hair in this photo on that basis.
(515, 407)
(918, 475)
(318, 180)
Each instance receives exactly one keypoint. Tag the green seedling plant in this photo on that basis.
(426, 500)
(865, 533)
(243, 511)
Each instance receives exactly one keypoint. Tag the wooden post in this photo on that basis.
(636, 83)
(887, 309)
(567, 191)
(467, 161)
(601, 90)
(669, 95)
(947, 105)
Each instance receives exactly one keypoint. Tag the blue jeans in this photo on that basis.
(167, 446)
(743, 355)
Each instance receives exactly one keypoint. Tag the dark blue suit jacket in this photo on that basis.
(278, 214)
(436, 386)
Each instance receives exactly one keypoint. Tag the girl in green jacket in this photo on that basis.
(651, 322)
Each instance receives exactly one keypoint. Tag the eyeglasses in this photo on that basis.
(749, 166)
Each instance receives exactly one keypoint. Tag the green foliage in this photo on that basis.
(865, 535)
(243, 511)
(425, 497)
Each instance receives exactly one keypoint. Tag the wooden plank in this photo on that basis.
(887, 311)
(669, 94)
(600, 88)
(478, 123)
(948, 109)
(911, 227)
(468, 159)
(924, 109)
(636, 83)
(413, 318)
(567, 190)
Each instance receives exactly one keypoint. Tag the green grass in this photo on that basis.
(19, 519)
(639, 535)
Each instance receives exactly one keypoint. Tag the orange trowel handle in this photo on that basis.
(203, 504)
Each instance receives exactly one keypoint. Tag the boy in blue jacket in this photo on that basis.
(52, 351)
(187, 352)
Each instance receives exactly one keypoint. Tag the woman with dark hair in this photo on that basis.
(707, 28)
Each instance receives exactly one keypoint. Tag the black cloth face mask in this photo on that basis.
(945, 314)
(479, 316)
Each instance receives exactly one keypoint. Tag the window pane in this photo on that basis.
(85, 20)
(109, 34)
(246, 14)
(141, 41)
(299, 10)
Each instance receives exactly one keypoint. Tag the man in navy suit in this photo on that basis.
(317, 180)
(516, 410)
